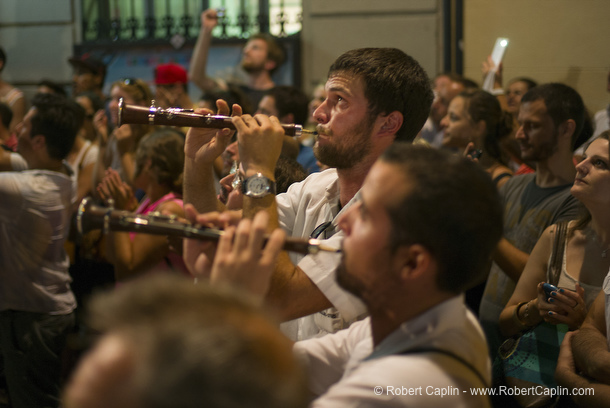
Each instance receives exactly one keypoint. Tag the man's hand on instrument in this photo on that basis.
(260, 143)
(205, 145)
(243, 259)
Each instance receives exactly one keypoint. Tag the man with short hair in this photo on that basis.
(89, 75)
(446, 87)
(36, 301)
(376, 96)
(404, 255)
(167, 343)
(171, 84)
(261, 57)
(551, 116)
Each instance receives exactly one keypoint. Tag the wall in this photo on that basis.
(332, 27)
(550, 40)
(37, 36)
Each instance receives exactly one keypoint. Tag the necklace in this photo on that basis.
(599, 242)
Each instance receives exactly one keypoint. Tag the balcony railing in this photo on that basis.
(178, 21)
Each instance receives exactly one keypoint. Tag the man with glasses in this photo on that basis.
(376, 96)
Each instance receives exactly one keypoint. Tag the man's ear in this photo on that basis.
(567, 129)
(415, 261)
(269, 65)
(391, 124)
(38, 142)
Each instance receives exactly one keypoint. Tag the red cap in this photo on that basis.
(166, 74)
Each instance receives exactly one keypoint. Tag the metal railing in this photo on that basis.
(145, 21)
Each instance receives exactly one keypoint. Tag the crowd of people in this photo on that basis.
(444, 223)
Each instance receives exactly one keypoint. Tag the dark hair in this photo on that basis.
(6, 115)
(585, 216)
(54, 86)
(287, 171)
(275, 51)
(58, 119)
(289, 99)
(165, 149)
(199, 346)
(393, 81)
(2, 58)
(562, 103)
(586, 133)
(469, 83)
(530, 83)
(232, 95)
(449, 196)
(482, 105)
(96, 101)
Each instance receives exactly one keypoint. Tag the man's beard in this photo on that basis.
(346, 281)
(346, 158)
(543, 151)
(251, 68)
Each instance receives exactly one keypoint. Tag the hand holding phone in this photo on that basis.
(548, 288)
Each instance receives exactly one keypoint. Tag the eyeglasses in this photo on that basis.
(320, 229)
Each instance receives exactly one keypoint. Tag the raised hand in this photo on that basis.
(243, 260)
(209, 19)
(260, 143)
(205, 145)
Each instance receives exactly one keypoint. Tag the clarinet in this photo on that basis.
(90, 216)
(140, 115)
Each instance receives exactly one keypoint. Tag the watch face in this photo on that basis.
(258, 186)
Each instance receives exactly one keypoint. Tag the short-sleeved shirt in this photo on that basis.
(528, 211)
(35, 212)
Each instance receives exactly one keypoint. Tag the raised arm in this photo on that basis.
(199, 60)
(510, 259)
(201, 148)
(291, 291)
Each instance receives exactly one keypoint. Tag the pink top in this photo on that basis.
(172, 260)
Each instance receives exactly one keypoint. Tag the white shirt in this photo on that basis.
(301, 209)
(344, 369)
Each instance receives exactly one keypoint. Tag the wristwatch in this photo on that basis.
(257, 186)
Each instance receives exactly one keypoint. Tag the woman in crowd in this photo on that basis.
(117, 147)
(475, 122)
(159, 164)
(586, 256)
